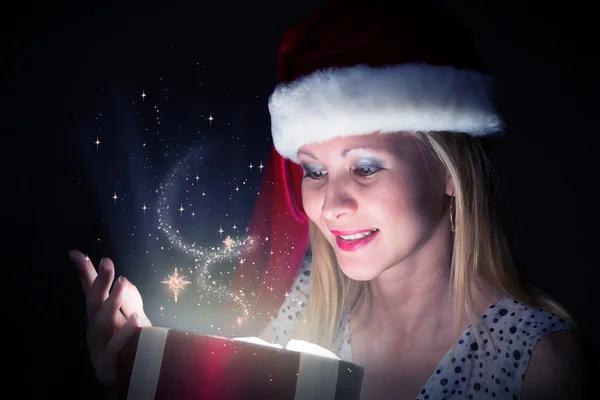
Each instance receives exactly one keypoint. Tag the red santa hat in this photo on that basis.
(351, 68)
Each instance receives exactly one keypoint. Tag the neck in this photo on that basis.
(411, 302)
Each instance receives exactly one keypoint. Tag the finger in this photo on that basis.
(108, 318)
(99, 291)
(118, 342)
(108, 365)
(85, 269)
(133, 303)
(106, 271)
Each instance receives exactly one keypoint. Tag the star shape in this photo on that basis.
(176, 283)
(228, 242)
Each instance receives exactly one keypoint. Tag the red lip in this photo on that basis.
(353, 245)
(346, 233)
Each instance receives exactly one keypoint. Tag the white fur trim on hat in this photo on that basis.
(361, 99)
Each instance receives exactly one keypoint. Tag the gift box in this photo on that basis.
(162, 363)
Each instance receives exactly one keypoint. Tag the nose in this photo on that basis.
(338, 201)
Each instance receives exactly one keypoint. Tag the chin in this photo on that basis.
(358, 271)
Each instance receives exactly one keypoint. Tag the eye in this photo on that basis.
(366, 171)
(314, 175)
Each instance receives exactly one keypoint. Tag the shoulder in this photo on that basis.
(301, 285)
(556, 368)
(280, 329)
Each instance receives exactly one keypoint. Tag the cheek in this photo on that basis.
(393, 211)
(416, 208)
(311, 203)
(403, 205)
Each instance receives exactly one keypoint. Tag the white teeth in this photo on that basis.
(359, 235)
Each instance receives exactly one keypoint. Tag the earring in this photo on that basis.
(452, 212)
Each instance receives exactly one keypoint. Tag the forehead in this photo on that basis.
(375, 142)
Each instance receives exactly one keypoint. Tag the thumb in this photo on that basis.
(133, 303)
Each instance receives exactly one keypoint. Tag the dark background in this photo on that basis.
(542, 55)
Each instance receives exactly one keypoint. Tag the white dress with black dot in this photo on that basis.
(475, 372)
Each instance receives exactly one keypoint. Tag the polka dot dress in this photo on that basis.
(290, 313)
(475, 371)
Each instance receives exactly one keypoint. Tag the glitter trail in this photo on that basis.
(203, 257)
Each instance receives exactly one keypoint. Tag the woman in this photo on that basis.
(383, 106)
(409, 273)
(403, 240)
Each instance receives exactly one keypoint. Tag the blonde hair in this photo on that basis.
(481, 250)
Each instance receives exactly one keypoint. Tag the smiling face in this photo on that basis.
(377, 198)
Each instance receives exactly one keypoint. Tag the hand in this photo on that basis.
(112, 317)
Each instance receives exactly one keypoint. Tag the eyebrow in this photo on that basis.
(345, 152)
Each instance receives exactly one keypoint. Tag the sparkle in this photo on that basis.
(180, 209)
(203, 194)
(115, 197)
(176, 283)
(251, 166)
(237, 189)
(197, 178)
(204, 257)
(286, 294)
(234, 227)
(97, 142)
(144, 208)
(143, 95)
(228, 242)
(242, 261)
(210, 119)
(261, 166)
(193, 214)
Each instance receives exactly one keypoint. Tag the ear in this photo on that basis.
(450, 190)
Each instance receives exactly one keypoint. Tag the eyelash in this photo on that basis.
(308, 175)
